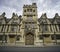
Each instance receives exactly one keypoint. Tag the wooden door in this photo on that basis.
(29, 39)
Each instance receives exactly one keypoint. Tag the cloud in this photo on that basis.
(7, 10)
(44, 6)
(50, 7)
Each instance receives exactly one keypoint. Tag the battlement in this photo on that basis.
(33, 5)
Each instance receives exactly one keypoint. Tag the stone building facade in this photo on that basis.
(28, 29)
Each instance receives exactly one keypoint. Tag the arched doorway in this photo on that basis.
(29, 39)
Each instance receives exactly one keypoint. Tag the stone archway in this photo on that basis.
(29, 39)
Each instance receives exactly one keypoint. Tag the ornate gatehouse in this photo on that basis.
(28, 29)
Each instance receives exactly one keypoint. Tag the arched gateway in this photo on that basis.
(29, 39)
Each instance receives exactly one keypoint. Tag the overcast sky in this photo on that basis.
(44, 6)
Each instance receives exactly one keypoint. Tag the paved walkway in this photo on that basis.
(29, 49)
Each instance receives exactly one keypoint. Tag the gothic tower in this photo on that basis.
(29, 23)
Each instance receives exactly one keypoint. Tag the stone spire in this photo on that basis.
(56, 15)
